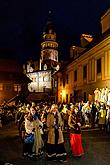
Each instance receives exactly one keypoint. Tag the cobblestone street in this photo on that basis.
(96, 146)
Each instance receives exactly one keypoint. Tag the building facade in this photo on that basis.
(88, 69)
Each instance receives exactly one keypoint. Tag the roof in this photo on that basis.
(49, 25)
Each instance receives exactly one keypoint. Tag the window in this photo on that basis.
(60, 98)
(1, 87)
(85, 98)
(55, 84)
(84, 71)
(75, 75)
(64, 82)
(17, 87)
(66, 98)
(8, 87)
(60, 81)
(98, 65)
(70, 98)
(67, 78)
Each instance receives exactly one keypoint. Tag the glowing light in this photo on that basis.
(63, 93)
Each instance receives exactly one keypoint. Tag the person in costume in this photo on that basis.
(75, 134)
(55, 141)
(33, 126)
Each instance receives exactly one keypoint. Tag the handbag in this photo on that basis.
(29, 138)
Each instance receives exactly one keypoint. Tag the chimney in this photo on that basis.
(85, 40)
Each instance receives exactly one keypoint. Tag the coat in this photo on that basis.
(38, 142)
(51, 129)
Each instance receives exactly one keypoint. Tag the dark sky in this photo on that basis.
(22, 23)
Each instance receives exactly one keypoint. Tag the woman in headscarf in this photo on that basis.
(55, 141)
(75, 133)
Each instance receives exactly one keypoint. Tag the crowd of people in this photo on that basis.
(42, 126)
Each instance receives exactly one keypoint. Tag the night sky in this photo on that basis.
(22, 23)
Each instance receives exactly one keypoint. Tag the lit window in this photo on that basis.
(1, 87)
(17, 87)
(55, 83)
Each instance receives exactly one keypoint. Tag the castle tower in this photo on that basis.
(49, 48)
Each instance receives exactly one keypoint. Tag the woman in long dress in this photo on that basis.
(75, 135)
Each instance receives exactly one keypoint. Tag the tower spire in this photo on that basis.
(49, 19)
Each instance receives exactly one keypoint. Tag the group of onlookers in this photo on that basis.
(91, 114)
(42, 127)
(96, 114)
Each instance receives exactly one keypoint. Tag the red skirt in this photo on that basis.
(76, 144)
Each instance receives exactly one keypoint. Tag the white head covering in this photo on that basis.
(33, 104)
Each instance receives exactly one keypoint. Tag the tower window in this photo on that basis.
(50, 30)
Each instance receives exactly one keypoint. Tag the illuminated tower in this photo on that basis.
(49, 48)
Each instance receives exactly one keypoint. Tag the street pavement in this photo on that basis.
(96, 145)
